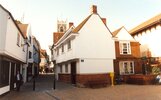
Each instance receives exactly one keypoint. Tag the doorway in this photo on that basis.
(12, 76)
(73, 72)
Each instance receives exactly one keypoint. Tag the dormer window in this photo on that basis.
(125, 48)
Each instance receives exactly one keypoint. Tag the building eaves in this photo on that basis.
(116, 31)
(13, 20)
(76, 30)
(146, 24)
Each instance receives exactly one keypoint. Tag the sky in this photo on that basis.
(42, 15)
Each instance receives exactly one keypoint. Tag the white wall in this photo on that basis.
(96, 66)
(149, 41)
(30, 48)
(67, 54)
(94, 40)
(11, 47)
(3, 28)
(4, 90)
(124, 35)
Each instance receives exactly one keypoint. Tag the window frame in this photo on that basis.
(62, 48)
(125, 47)
(129, 67)
(69, 44)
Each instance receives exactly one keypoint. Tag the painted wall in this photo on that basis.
(3, 25)
(94, 40)
(148, 40)
(11, 47)
(90, 66)
(67, 54)
(93, 44)
(124, 35)
(30, 48)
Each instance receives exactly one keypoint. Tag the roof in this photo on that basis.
(12, 20)
(81, 24)
(117, 31)
(146, 24)
(23, 28)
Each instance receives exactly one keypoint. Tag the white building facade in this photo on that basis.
(13, 50)
(86, 52)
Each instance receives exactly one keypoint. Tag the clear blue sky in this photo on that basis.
(43, 14)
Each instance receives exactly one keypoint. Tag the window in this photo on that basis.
(4, 73)
(51, 51)
(126, 67)
(57, 51)
(66, 68)
(18, 39)
(23, 48)
(30, 54)
(69, 44)
(61, 29)
(30, 39)
(61, 69)
(62, 48)
(125, 48)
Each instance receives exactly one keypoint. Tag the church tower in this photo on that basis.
(61, 26)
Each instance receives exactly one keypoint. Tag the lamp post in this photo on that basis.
(34, 82)
(54, 81)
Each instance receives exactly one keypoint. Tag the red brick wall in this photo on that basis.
(135, 50)
(137, 65)
(83, 79)
(65, 78)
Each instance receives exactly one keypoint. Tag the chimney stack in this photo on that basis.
(94, 9)
(104, 20)
(71, 24)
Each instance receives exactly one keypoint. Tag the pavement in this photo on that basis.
(44, 91)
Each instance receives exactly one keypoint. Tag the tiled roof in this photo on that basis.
(146, 24)
(81, 25)
(117, 31)
(23, 28)
(57, 36)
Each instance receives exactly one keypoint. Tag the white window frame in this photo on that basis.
(125, 67)
(122, 48)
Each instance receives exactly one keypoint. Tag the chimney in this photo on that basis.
(71, 24)
(94, 9)
(104, 20)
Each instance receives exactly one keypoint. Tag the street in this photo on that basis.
(44, 91)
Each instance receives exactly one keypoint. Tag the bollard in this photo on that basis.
(54, 82)
(34, 83)
(112, 78)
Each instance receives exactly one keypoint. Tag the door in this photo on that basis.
(12, 76)
(73, 72)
